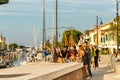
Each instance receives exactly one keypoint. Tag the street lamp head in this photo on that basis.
(101, 23)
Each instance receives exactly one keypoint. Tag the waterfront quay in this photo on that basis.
(43, 71)
(59, 71)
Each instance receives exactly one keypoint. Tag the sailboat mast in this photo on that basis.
(36, 40)
(44, 25)
(56, 23)
(53, 25)
(34, 35)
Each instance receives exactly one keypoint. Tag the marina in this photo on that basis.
(13, 59)
(59, 40)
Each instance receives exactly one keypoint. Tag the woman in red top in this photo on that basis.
(73, 54)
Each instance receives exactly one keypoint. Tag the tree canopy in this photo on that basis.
(70, 37)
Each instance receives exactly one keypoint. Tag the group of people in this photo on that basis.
(87, 53)
(90, 56)
(64, 55)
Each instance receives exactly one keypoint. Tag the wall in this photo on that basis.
(75, 75)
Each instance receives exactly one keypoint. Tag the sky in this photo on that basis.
(18, 18)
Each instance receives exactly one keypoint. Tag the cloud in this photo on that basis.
(87, 6)
(21, 7)
(81, 2)
(65, 7)
(19, 14)
(26, 1)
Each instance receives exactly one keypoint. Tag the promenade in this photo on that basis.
(39, 71)
(104, 72)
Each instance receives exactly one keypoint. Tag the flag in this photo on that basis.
(66, 40)
(71, 40)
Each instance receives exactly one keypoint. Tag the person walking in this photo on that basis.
(87, 50)
(93, 54)
(84, 56)
(96, 57)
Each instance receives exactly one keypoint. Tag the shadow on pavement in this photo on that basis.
(13, 75)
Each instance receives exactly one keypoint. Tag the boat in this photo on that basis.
(5, 59)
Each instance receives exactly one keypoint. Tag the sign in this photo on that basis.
(4, 1)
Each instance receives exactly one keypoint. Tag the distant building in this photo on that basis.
(2, 42)
(2, 39)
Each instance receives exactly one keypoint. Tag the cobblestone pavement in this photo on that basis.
(104, 72)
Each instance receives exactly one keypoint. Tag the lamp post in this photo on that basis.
(117, 10)
(97, 18)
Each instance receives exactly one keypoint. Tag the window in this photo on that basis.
(101, 40)
(106, 37)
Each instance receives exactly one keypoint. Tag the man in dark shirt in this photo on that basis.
(87, 50)
(96, 57)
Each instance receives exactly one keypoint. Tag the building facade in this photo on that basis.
(2, 42)
(106, 35)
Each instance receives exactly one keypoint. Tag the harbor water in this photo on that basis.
(20, 58)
